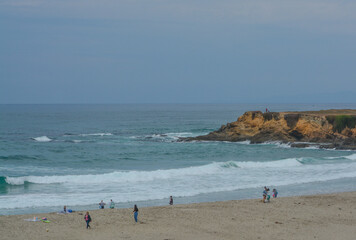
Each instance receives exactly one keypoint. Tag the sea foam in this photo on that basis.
(124, 186)
(42, 139)
(160, 174)
(351, 157)
(96, 134)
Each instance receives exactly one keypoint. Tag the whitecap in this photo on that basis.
(351, 157)
(96, 134)
(138, 176)
(42, 139)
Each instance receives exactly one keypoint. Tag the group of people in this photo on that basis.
(87, 217)
(102, 204)
(266, 196)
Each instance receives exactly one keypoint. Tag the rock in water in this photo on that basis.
(335, 127)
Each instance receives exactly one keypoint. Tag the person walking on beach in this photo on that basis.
(170, 200)
(102, 204)
(87, 219)
(112, 204)
(135, 211)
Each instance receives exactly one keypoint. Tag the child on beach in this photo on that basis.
(135, 211)
(275, 193)
(265, 195)
(102, 204)
(87, 219)
(112, 204)
(170, 200)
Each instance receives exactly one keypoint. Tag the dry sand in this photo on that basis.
(307, 217)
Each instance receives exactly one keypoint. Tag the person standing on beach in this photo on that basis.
(265, 194)
(170, 200)
(102, 204)
(112, 204)
(87, 219)
(135, 211)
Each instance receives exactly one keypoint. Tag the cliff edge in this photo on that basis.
(328, 128)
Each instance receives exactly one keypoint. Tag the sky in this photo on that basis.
(170, 51)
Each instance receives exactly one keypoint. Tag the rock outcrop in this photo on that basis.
(329, 128)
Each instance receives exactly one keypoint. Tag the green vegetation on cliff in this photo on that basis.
(340, 122)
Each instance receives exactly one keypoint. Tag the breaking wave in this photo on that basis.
(166, 137)
(215, 168)
(96, 134)
(127, 186)
(351, 157)
(42, 139)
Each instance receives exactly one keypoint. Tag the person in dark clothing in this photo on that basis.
(87, 219)
(135, 211)
(170, 200)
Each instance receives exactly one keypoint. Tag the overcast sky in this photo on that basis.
(177, 51)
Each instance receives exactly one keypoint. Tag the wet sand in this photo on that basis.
(330, 216)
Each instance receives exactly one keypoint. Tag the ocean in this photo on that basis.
(78, 155)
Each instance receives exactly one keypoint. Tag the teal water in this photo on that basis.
(76, 155)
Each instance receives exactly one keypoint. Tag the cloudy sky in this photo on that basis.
(170, 51)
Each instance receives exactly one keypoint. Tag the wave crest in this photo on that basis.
(351, 157)
(96, 134)
(42, 139)
(139, 176)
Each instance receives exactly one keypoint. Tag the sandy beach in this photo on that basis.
(330, 216)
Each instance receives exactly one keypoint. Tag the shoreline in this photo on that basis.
(333, 186)
(310, 188)
(325, 216)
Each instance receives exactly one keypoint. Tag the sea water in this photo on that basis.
(77, 155)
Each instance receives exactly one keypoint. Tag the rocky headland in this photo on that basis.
(326, 128)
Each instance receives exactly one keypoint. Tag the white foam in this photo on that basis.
(42, 139)
(117, 176)
(351, 157)
(139, 176)
(313, 147)
(126, 186)
(276, 143)
(169, 137)
(285, 163)
(247, 142)
(96, 134)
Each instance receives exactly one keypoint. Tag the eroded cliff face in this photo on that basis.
(257, 127)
